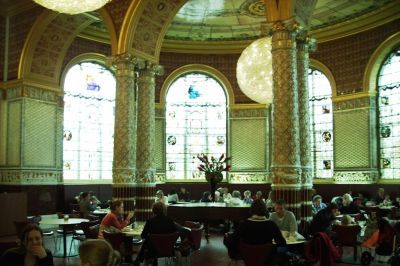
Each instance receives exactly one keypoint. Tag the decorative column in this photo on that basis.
(124, 163)
(285, 167)
(146, 171)
(303, 45)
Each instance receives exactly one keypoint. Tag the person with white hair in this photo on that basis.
(349, 207)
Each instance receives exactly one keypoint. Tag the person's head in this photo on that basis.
(259, 194)
(381, 192)
(347, 199)
(206, 195)
(236, 194)
(31, 236)
(217, 194)
(247, 194)
(258, 208)
(159, 194)
(317, 199)
(183, 190)
(85, 196)
(117, 207)
(159, 208)
(97, 252)
(346, 220)
(332, 208)
(280, 206)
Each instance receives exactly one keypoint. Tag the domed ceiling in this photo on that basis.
(232, 20)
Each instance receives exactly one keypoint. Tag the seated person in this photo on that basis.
(269, 202)
(114, 220)
(93, 252)
(217, 197)
(172, 196)
(259, 195)
(382, 238)
(322, 221)
(235, 200)
(183, 194)
(349, 207)
(387, 201)
(93, 199)
(206, 197)
(85, 205)
(160, 197)
(247, 197)
(317, 204)
(284, 219)
(30, 252)
(160, 223)
(380, 196)
(256, 230)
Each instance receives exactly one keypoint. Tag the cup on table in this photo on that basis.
(66, 217)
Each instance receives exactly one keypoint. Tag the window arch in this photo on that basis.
(389, 115)
(89, 102)
(321, 123)
(196, 122)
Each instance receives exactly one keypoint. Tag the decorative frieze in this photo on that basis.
(359, 177)
(249, 177)
(354, 103)
(31, 177)
(33, 93)
(248, 113)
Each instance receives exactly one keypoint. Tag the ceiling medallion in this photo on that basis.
(253, 8)
(72, 7)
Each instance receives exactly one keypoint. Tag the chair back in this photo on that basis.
(255, 255)
(196, 235)
(85, 226)
(115, 239)
(164, 244)
(191, 224)
(346, 234)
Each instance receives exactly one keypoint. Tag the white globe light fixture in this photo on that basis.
(72, 7)
(254, 71)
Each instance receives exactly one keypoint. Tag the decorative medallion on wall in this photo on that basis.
(386, 163)
(327, 164)
(385, 131)
(171, 114)
(385, 100)
(325, 109)
(171, 140)
(172, 166)
(67, 135)
(220, 140)
(326, 136)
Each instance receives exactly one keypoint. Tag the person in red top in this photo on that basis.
(114, 220)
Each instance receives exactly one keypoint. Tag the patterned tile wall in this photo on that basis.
(81, 46)
(2, 33)
(20, 25)
(159, 149)
(117, 10)
(14, 133)
(347, 58)
(351, 138)
(39, 136)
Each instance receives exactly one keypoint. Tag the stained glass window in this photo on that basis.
(195, 123)
(321, 124)
(389, 116)
(89, 100)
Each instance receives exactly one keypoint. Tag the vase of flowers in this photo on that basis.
(213, 168)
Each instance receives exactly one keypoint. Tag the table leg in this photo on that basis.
(207, 231)
(65, 242)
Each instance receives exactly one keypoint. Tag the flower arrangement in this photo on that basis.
(213, 167)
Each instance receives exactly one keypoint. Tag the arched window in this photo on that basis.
(89, 97)
(389, 116)
(321, 123)
(195, 123)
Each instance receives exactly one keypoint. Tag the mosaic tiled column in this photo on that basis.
(146, 171)
(124, 163)
(303, 43)
(285, 167)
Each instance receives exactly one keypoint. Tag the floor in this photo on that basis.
(212, 253)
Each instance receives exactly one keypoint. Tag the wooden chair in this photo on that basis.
(347, 236)
(83, 232)
(163, 244)
(118, 242)
(255, 255)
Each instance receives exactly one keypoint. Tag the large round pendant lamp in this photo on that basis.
(254, 71)
(72, 7)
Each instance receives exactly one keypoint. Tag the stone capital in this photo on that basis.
(150, 67)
